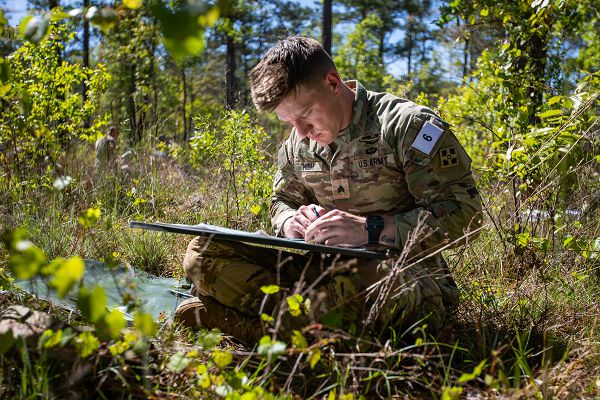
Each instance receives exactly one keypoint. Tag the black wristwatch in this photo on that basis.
(374, 226)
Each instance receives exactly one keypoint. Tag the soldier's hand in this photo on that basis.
(295, 226)
(338, 228)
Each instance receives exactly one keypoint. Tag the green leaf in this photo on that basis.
(133, 4)
(314, 358)
(465, 377)
(484, 12)
(89, 217)
(34, 28)
(178, 362)
(86, 343)
(28, 261)
(222, 358)
(207, 340)
(267, 347)
(255, 209)
(3, 20)
(112, 324)
(145, 324)
(58, 15)
(50, 338)
(294, 303)
(67, 275)
(270, 289)
(550, 113)
(298, 340)
(451, 392)
(210, 17)
(104, 18)
(266, 317)
(92, 303)
(554, 100)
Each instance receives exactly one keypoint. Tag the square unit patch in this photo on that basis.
(449, 157)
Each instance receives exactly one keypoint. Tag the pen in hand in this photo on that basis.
(314, 208)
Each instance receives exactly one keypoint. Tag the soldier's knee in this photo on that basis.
(193, 256)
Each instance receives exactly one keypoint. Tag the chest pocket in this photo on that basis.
(315, 175)
(377, 184)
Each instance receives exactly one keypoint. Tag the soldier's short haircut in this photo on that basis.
(290, 63)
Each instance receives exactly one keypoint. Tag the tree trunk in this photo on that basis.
(538, 52)
(154, 88)
(86, 57)
(131, 108)
(230, 74)
(183, 111)
(326, 33)
(466, 51)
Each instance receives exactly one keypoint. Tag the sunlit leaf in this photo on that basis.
(314, 358)
(3, 20)
(210, 17)
(145, 324)
(58, 15)
(27, 262)
(550, 113)
(484, 12)
(104, 18)
(86, 343)
(209, 339)
(465, 377)
(89, 217)
(133, 4)
(269, 289)
(92, 303)
(178, 362)
(113, 323)
(67, 275)
(294, 303)
(266, 317)
(222, 358)
(34, 28)
(298, 340)
(267, 347)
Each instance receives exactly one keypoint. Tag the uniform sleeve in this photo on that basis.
(288, 191)
(438, 175)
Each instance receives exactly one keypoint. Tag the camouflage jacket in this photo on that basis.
(396, 158)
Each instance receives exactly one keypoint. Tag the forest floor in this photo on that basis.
(527, 325)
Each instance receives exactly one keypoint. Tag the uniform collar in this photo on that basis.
(359, 114)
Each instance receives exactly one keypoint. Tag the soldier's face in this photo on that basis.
(315, 110)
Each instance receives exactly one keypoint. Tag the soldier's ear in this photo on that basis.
(333, 81)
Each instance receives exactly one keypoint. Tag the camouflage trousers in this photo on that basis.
(344, 292)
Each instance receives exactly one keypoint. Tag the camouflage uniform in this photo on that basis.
(379, 165)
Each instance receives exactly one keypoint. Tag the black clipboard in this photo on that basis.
(221, 233)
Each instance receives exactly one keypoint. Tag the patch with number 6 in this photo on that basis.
(427, 137)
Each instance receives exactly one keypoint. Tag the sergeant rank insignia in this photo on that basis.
(449, 157)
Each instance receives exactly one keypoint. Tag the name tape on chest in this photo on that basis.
(311, 166)
(427, 138)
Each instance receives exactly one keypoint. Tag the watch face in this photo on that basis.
(374, 222)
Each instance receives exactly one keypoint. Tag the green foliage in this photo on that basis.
(235, 147)
(46, 110)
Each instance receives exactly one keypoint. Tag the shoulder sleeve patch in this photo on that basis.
(427, 138)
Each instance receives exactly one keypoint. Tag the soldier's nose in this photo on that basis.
(303, 131)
